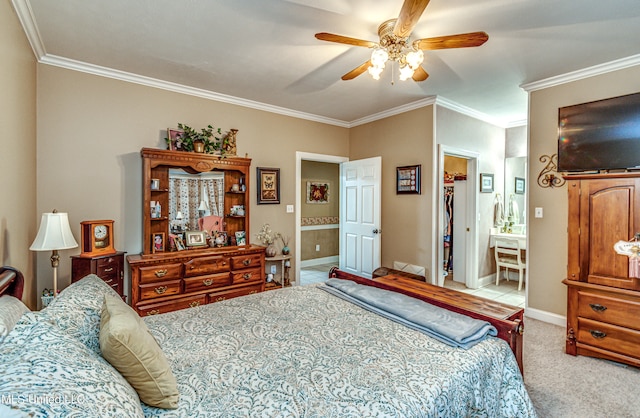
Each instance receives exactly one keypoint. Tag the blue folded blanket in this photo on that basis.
(449, 327)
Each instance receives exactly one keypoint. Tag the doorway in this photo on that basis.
(315, 269)
(457, 253)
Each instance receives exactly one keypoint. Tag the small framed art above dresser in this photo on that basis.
(175, 276)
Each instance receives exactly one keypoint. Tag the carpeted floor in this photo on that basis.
(564, 386)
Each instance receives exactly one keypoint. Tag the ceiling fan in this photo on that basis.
(395, 44)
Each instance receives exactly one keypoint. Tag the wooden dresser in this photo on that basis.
(603, 301)
(169, 278)
(183, 279)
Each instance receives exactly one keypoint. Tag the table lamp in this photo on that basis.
(54, 234)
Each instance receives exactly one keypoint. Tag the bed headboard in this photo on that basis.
(11, 282)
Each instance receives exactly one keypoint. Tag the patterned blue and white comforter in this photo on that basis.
(302, 352)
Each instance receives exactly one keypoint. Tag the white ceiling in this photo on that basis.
(264, 53)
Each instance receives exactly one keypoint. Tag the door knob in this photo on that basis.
(377, 231)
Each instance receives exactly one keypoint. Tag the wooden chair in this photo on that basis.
(509, 256)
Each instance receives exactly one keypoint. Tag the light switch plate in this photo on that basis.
(289, 208)
(538, 213)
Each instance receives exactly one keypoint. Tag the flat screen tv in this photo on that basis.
(600, 135)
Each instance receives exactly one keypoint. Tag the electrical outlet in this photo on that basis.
(273, 269)
(317, 247)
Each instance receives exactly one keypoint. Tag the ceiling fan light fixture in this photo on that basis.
(379, 57)
(406, 72)
(375, 71)
(414, 59)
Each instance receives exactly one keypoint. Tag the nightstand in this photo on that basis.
(109, 268)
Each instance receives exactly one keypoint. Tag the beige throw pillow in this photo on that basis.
(126, 343)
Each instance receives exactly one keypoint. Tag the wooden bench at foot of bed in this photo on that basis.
(507, 319)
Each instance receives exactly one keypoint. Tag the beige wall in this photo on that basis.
(18, 217)
(324, 172)
(547, 236)
(407, 220)
(91, 130)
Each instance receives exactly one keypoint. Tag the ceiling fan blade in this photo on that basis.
(419, 74)
(357, 71)
(409, 16)
(324, 36)
(463, 40)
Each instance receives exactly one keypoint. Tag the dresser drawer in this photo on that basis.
(616, 310)
(160, 273)
(174, 305)
(245, 261)
(108, 266)
(609, 337)
(246, 276)
(234, 293)
(160, 289)
(206, 265)
(211, 281)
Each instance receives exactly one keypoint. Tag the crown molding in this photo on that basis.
(178, 88)
(451, 105)
(583, 73)
(394, 111)
(28, 22)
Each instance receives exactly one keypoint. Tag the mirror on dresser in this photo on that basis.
(194, 197)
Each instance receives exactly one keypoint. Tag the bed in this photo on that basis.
(299, 351)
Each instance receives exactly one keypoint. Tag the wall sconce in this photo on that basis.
(549, 177)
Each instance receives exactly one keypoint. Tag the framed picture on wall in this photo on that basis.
(486, 183)
(318, 192)
(519, 187)
(268, 185)
(408, 179)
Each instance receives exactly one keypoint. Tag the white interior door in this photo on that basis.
(460, 232)
(360, 216)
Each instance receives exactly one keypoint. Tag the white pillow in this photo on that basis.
(11, 309)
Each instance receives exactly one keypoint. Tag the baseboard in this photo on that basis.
(317, 261)
(486, 280)
(544, 316)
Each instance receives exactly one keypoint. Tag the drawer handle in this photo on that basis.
(108, 281)
(598, 334)
(161, 273)
(207, 282)
(160, 290)
(597, 307)
(246, 276)
(253, 291)
(110, 269)
(220, 298)
(153, 312)
(246, 262)
(194, 304)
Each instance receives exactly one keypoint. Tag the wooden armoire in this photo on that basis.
(603, 311)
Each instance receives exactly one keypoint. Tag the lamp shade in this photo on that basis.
(203, 205)
(54, 233)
